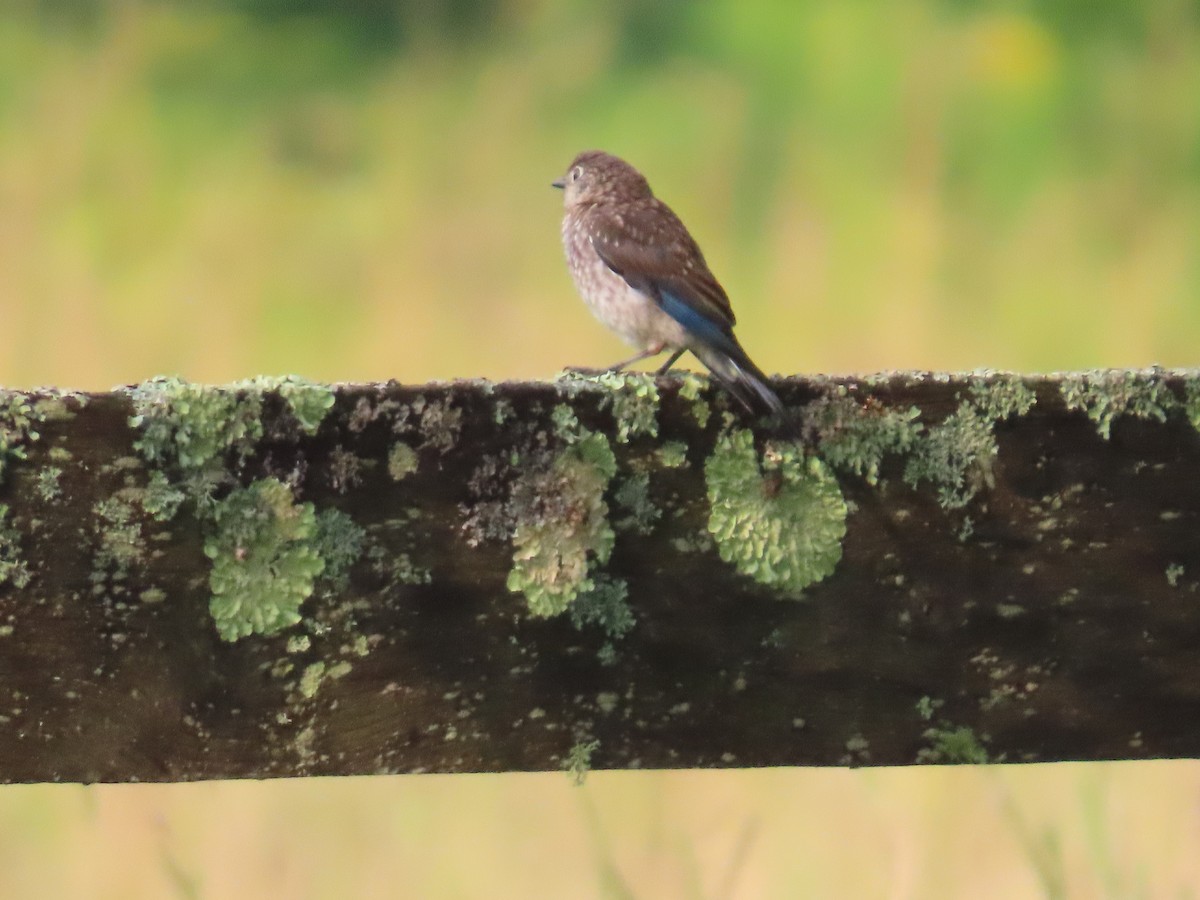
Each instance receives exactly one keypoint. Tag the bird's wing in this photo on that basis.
(647, 245)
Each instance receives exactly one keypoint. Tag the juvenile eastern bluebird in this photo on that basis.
(641, 274)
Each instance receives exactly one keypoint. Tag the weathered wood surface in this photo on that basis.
(965, 576)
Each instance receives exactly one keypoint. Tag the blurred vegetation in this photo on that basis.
(359, 190)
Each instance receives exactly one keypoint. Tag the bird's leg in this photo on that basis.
(652, 350)
(666, 367)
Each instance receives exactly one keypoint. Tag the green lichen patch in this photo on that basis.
(1000, 396)
(1108, 394)
(152, 595)
(855, 436)
(561, 525)
(397, 568)
(633, 398)
(1191, 400)
(402, 461)
(310, 680)
(339, 540)
(13, 568)
(121, 545)
(47, 483)
(264, 558)
(672, 454)
(952, 745)
(606, 606)
(633, 497)
(193, 426)
(578, 761)
(782, 520)
(18, 428)
(306, 400)
(1174, 573)
(958, 455)
(690, 386)
(161, 499)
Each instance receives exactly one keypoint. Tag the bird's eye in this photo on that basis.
(576, 173)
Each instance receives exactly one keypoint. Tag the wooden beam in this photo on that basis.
(278, 578)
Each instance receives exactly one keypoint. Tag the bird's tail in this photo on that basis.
(742, 378)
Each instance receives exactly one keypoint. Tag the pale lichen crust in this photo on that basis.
(1105, 395)
(958, 455)
(267, 550)
(780, 520)
(562, 525)
(855, 436)
(402, 461)
(195, 425)
(632, 396)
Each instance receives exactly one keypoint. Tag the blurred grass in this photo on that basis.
(360, 191)
(220, 189)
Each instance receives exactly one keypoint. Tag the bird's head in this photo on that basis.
(595, 176)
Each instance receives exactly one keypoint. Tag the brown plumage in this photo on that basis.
(644, 276)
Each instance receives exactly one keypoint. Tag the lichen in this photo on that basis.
(690, 386)
(315, 674)
(782, 520)
(47, 483)
(299, 643)
(562, 524)
(578, 761)
(927, 706)
(344, 469)
(855, 436)
(633, 398)
(1191, 400)
(161, 499)
(306, 400)
(402, 461)
(438, 422)
(397, 568)
(152, 595)
(958, 455)
(1174, 573)
(633, 496)
(606, 605)
(952, 745)
(311, 678)
(18, 421)
(339, 540)
(13, 568)
(999, 396)
(193, 426)
(264, 560)
(1105, 395)
(672, 454)
(121, 545)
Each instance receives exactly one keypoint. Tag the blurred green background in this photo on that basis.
(360, 190)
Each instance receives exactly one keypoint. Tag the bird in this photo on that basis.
(642, 274)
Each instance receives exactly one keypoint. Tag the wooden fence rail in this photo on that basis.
(278, 578)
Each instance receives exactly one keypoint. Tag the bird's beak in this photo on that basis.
(559, 183)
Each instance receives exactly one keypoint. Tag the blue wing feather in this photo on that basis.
(687, 315)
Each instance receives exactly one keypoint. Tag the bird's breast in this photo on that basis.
(634, 316)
